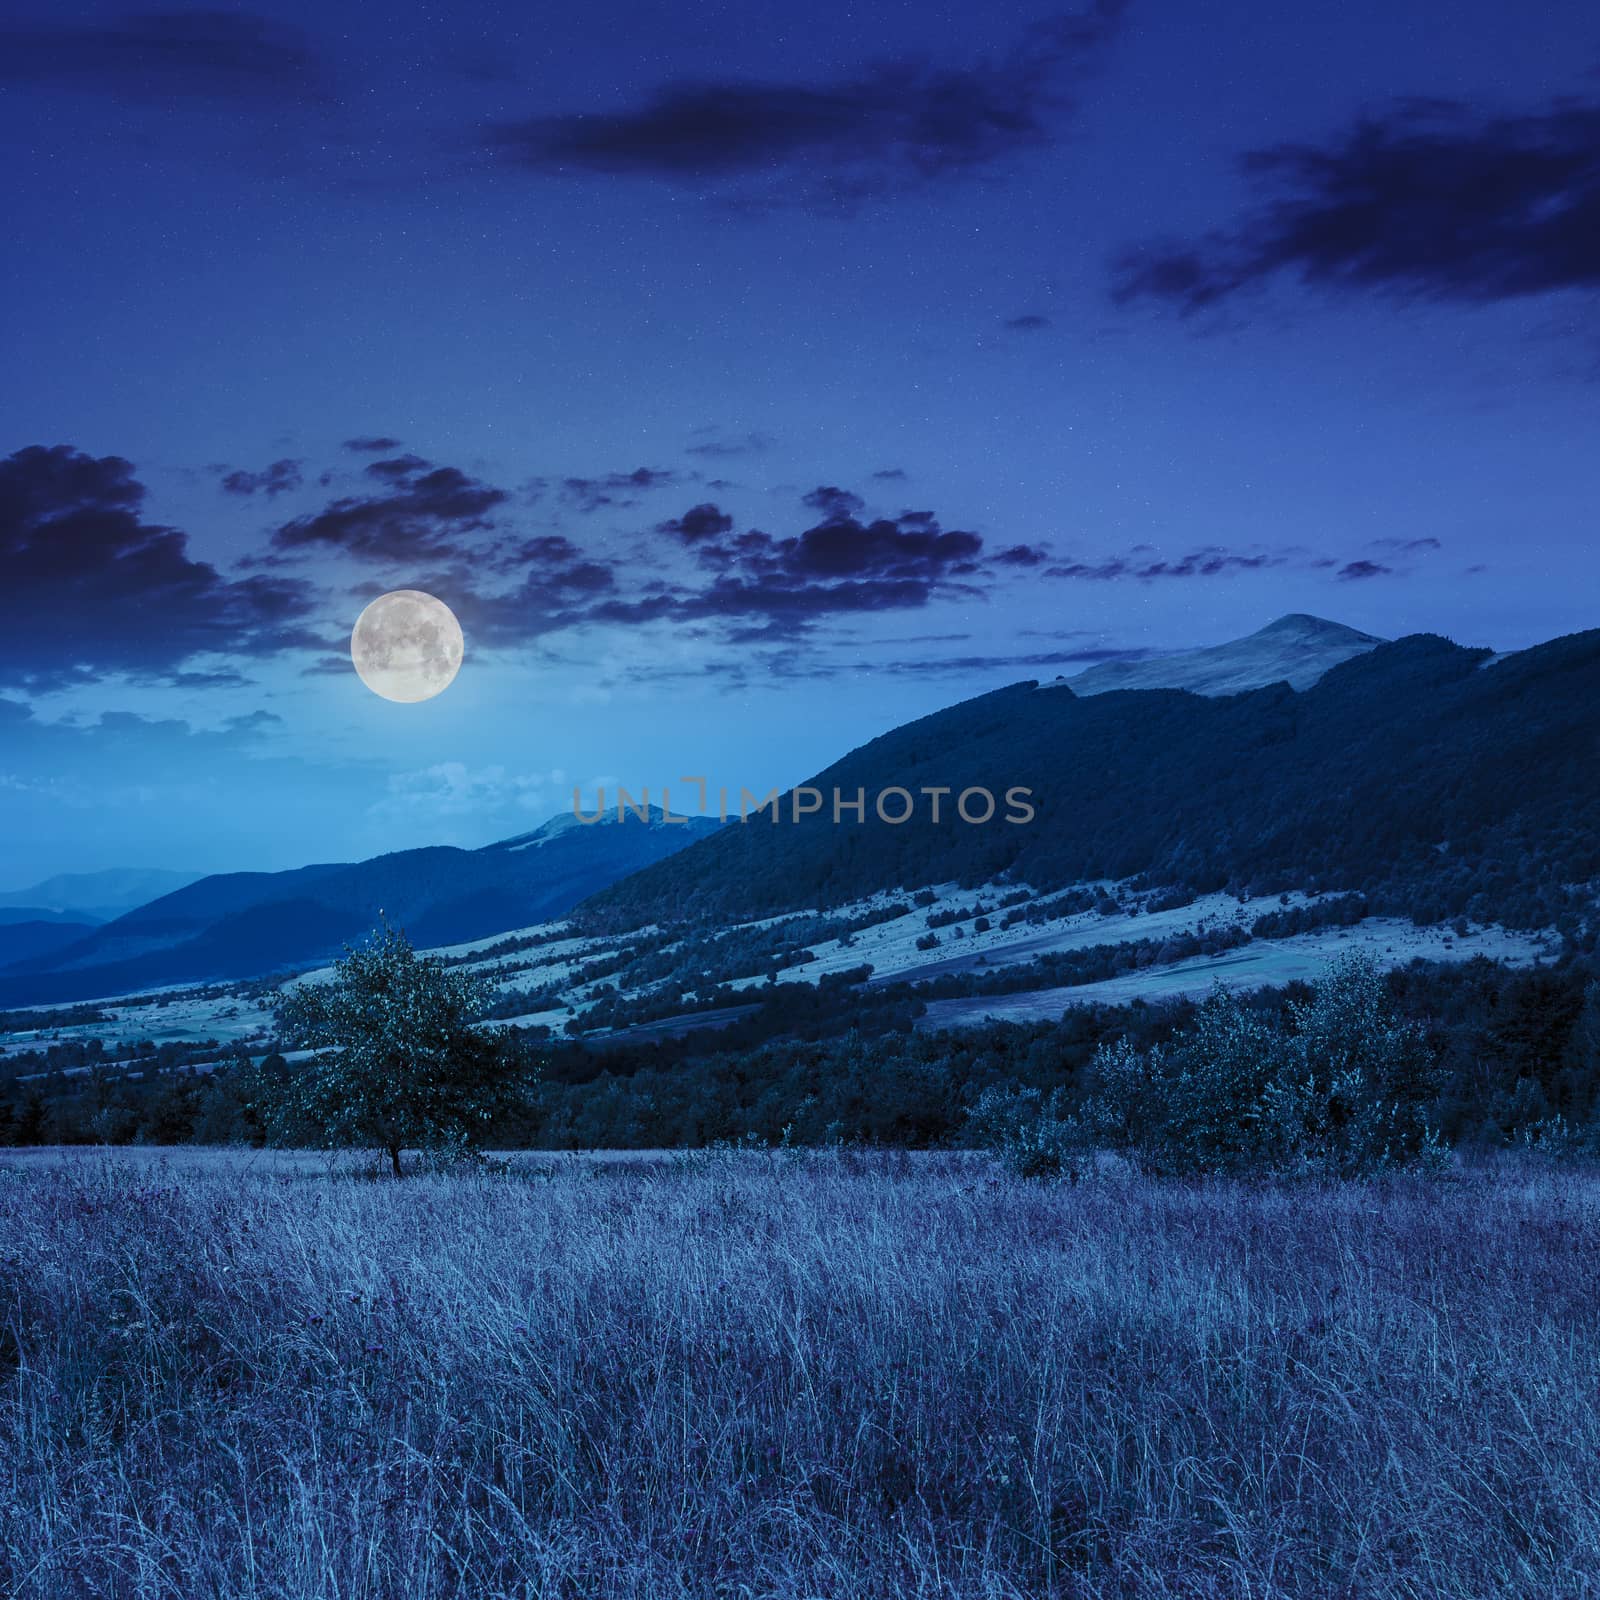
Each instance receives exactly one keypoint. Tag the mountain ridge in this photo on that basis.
(103, 895)
(244, 924)
(1404, 772)
(1296, 649)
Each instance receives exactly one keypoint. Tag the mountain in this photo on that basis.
(10, 915)
(1434, 778)
(242, 924)
(1296, 650)
(23, 937)
(97, 896)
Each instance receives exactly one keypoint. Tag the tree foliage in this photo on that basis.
(396, 1062)
(1336, 1085)
(1517, 1049)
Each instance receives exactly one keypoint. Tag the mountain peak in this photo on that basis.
(565, 822)
(1295, 649)
(1302, 625)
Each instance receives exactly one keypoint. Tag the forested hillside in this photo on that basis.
(1433, 778)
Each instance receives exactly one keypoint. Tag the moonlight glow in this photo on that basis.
(407, 646)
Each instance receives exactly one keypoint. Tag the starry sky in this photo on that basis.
(749, 379)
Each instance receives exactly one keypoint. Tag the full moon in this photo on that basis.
(407, 646)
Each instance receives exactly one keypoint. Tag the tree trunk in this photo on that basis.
(394, 1159)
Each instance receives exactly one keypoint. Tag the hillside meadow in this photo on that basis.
(762, 1374)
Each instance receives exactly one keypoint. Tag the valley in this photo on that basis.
(1240, 817)
(566, 977)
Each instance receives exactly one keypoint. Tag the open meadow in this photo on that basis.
(790, 1375)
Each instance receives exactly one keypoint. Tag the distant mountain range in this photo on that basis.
(1295, 650)
(49, 916)
(242, 924)
(23, 937)
(1438, 779)
(90, 896)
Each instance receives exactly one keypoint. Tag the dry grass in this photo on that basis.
(818, 1376)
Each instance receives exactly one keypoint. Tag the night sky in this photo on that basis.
(748, 379)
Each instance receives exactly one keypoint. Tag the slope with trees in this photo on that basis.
(1421, 774)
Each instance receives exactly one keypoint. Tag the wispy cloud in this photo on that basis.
(418, 512)
(238, 58)
(1429, 200)
(278, 478)
(889, 127)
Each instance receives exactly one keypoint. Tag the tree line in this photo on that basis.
(1478, 1055)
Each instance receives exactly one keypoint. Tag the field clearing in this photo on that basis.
(1265, 963)
(180, 1017)
(186, 1016)
(854, 1376)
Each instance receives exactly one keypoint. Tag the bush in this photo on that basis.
(1354, 1099)
(1032, 1135)
(1335, 1086)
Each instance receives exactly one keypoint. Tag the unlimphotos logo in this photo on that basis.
(975, 806)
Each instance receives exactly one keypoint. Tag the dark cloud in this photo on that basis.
(222, 678)
(555, 565)
(424, 512)
(1408, 547)
(93, 588)
(781, 605)
(331, 666)
(1031, 323)
(1364, 569)
(893, 126)
(792, 664)
(1209, 562)
(395, 469)
(375, 444)
(769, 588)
(1024, 555)
(716, 449)
(271, 481)
(252, 721)
(890, 475)
(555, 586)
(844, 547)
(1429, 200)
(616, 488)
(834, 502)
(231, 56)
(698, 522)
(744, 587)
(994, 663)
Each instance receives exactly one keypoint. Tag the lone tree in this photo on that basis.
(397, 1062)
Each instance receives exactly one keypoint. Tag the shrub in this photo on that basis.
(1358, 1083)
(1336, 1086)
(1031, 1134)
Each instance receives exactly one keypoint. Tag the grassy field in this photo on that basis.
(747, 1376)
